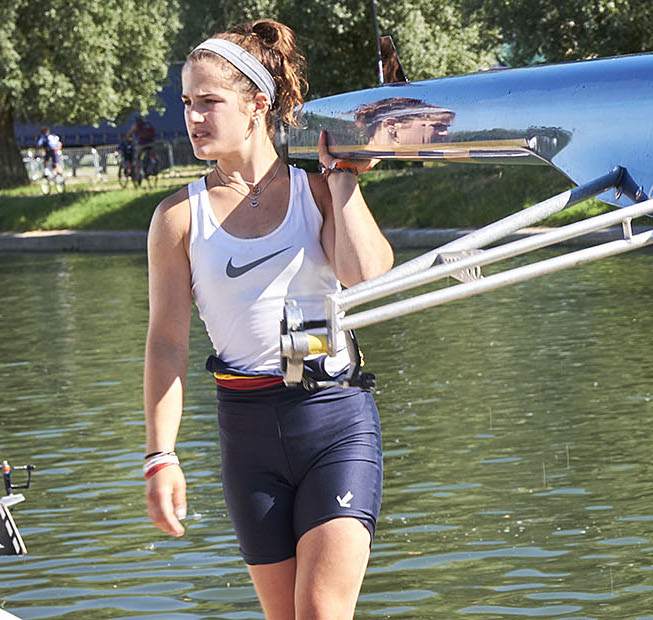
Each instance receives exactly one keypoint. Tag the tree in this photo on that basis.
(78, 61)
(565, 30)
(431, 38)
(337, 37)
(201, 19)
(435, 38)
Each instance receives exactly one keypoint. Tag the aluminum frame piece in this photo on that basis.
(478, 285)
(428, 268)
(583, 118)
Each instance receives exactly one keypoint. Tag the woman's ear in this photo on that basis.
(261, 105)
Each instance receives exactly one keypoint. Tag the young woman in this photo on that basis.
(301, 469)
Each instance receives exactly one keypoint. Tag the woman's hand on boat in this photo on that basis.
(326, 159)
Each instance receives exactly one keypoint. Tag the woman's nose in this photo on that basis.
(195, 116)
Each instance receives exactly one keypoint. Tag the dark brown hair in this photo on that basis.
(273, 45)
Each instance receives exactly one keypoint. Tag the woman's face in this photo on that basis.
(217, 118)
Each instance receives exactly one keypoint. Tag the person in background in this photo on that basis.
(301, 467)
(51, 146)
(143, 132)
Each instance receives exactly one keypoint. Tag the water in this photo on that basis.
(517, 453)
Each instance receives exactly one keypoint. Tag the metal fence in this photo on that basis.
(102, 162)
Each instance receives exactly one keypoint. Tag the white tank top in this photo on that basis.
(239, 285)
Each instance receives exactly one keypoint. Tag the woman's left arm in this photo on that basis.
(351, 237)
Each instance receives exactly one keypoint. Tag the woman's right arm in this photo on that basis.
(166, 355)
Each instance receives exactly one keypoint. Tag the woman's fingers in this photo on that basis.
(326, 159)
(166, 500)
(179, 503)
(364, 165)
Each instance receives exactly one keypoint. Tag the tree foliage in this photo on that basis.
(565, 30)
(434, 38)
(83, 61)
(337, 37)
(201, 19)
(80, 61)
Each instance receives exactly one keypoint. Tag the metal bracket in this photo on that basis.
(293, 348)
(296, 344)
(626, 225)
(332, 311)
(627, 186)
(465, 275)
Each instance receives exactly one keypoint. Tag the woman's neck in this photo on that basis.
(248, 169)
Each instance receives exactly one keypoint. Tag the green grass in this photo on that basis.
(127, 209)
(459, 196)
(88, 205)
(433, 196)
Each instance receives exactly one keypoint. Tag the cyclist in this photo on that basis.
(51, 145)
(144, 133)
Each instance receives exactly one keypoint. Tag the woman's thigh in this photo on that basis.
(293, 462)
(331, 563)
(275, 588)
(342, 467)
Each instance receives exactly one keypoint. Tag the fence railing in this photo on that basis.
(102, 162)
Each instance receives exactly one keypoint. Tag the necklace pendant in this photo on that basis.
(254, 203)
(256, 190)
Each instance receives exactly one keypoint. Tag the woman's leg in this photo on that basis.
(331, 563)
(275, 587)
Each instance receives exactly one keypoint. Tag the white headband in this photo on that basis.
(247, 64)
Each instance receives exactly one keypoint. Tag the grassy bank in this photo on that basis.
(463, 196)
(449, 196)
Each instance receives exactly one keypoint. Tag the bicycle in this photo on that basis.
(126, 172)
(52, 177)
(150, 167)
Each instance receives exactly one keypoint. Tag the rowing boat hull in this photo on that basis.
(584, 118)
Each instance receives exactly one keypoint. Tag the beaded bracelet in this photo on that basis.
(338, 166)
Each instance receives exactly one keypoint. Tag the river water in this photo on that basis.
(517, 443)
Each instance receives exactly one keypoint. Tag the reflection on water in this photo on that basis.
(516, 429)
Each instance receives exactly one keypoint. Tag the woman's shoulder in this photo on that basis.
(320, 191)
(172, 215)
(176, 206)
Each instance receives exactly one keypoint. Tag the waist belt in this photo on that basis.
(239, 382)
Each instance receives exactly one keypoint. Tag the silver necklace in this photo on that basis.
(256, 189)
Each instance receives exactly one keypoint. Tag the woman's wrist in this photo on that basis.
(338, 166)
(159, 453)
(157, 462)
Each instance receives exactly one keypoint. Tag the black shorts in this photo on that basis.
(293, 459)
(52, 155)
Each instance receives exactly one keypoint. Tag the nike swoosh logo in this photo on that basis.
(234, 272)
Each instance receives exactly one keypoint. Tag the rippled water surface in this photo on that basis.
(517, 433)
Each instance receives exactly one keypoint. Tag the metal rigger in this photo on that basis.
(11, 542)
(462, 260)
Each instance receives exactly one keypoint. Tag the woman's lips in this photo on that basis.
(198, 136)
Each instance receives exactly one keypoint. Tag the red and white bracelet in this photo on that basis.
(158, 462)
(338, 166)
